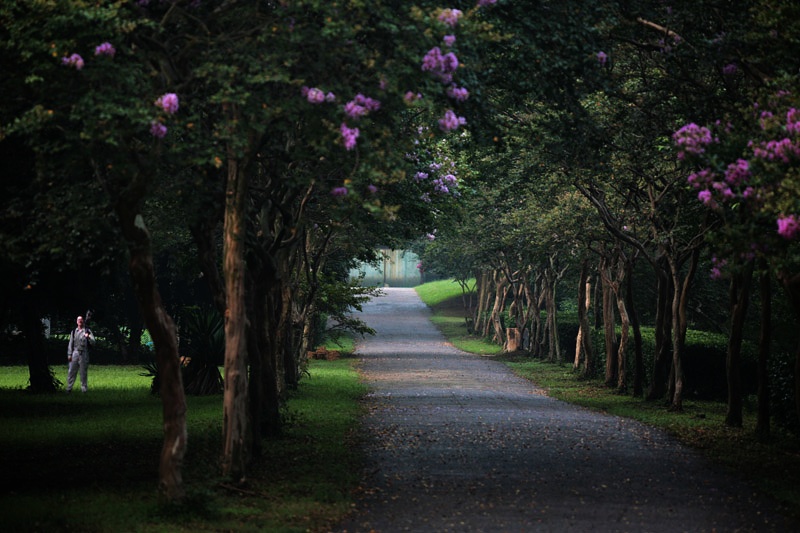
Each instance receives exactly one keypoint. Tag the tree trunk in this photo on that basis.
(680, 301)
(609, 332)
(235, 431)
(163, 332)
(658, 386)
(739, 299)
(40, 376)
(500, 293)
(791, 283)
(622, 365)
(638, 357)
(764, 342)
(582, 347)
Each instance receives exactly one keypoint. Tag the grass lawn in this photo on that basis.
(89, 462)
(774, 467)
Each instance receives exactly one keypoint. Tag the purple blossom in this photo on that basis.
(330, 97)
(449, 17)
(158, 130)
(75, 60)
(449, 40)
(419, 176)
(773, 150)
(730, 69)
(105, 49)
(372, 189)
(602, 58)
(410, 97)
(451, 122)
(360, 106)
(692, 139)
(738, 173)
(313, 94)
(459, 94)
(484, 3)
(430, 236)
(701, 179)
(717, 266)
(706, 197)
(440, 65)
(168, 102)
(349, 136)
(339, 191)
(788, 227)
(793, 121)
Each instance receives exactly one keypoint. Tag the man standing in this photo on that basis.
(78, 354)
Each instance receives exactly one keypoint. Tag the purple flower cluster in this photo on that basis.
(75, 61)
(349, 136)
(459, 94)
(360, 106)
(449, 17)
(483, 3)
(451, 122)
(316, 96)
(793, 121)
(602, 58)
(168, 102)
(410, 97)
(339, 191)
(445, 183)
(732, 186)
(717, 266)
(449, 40)
(692, 139)
(774, 150)
(440, 65)
(158, 130)
(788, 227)
(105, 49)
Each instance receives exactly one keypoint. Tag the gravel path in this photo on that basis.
(456, 442)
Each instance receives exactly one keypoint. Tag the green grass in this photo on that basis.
(444, 299)
(89, 462)
(774, 466)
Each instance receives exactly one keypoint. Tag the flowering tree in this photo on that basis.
(747, 175)
(279, 105)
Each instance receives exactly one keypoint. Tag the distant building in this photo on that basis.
(398, 268)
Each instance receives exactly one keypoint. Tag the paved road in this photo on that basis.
(456, 442)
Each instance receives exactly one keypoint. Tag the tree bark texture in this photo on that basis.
(739, 298)
(638, 350)
(235, 436)
(163, 332)
(764, 344)
(791, 284)
(583, 344)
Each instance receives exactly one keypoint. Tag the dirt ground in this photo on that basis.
(456, 442)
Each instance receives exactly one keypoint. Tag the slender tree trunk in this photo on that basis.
(163, 332)
(739, 299)
(638, 357)
(622, 364)
(583, 318)
(41, 378)
(658, 386)
(235, 432)
(609, 330)
(764, 343)
(680, 301)
(500, 293)
(791, 284)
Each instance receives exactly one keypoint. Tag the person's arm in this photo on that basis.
(90, 336)
(69, 346)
